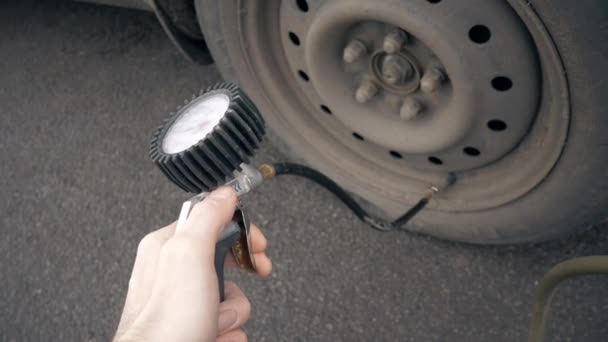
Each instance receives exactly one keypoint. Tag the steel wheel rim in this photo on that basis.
(493, 185)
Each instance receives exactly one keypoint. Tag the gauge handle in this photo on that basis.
(229, 235)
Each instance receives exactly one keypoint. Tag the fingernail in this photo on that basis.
(226, 320)
(224, 192)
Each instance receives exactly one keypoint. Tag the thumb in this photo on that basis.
(208, 217)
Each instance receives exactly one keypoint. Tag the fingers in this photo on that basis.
(208, 217)
(262, 262)
(263, 265)
(258, 248)
(233, 336)
(258, 241)
(234, 310)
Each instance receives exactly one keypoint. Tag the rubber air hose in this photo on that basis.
(349, 201)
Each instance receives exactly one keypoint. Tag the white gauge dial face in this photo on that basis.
(198, 120)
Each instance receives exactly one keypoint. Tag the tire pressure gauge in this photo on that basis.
(207, 143)
(207, 140)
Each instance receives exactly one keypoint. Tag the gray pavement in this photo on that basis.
(81, 89)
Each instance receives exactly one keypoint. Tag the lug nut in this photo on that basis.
(431, 80)
(394, 41)
(366, 91)
(353, 50)
(410, 108)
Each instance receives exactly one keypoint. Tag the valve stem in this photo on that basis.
(449, 179)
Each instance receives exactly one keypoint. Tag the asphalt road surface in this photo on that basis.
(81, 89)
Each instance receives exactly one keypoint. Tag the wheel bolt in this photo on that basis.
(366, 91)
(431, 80)
(353, 50)
(394, 40)
(410, 108)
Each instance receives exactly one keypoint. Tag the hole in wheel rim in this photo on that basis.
(325, 109)
(358, 136)
(497, 125)
(294, 39)
(395, 154)
(303, 75)
(502, 83)
(435, 160)
(480, 34)
(471, 151)
(302, 5)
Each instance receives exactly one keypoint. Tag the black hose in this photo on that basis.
(322, 180)
(403, 219)
(347, 199)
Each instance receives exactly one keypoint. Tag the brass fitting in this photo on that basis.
(267, 171)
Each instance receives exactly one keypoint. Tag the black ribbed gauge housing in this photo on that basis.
(212, 160)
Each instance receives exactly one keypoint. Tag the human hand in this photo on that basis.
(173, 292)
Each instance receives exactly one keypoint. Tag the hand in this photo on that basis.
(173, 292)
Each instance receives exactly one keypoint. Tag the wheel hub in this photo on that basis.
(396, 72)
(418, 84)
